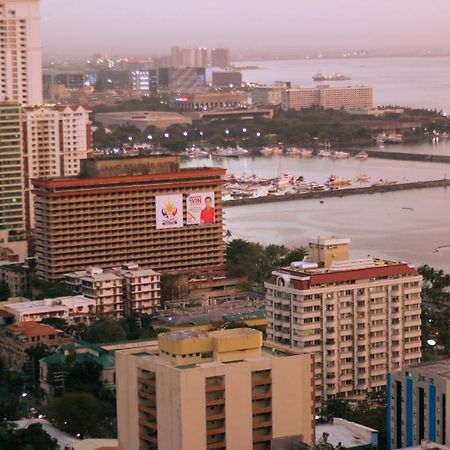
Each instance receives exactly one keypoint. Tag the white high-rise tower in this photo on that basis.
(20, 52)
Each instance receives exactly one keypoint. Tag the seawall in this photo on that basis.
(340, 192)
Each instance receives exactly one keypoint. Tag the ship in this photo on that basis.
(231, 152)
(319, 76)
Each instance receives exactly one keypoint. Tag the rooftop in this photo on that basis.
(49, 304)
(32, 329)
(440, 368)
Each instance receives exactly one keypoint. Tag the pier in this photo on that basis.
(374, 189)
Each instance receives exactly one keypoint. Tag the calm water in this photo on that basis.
(407, 225)
(415, 82)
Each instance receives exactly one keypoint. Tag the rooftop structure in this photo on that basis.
(213, 390)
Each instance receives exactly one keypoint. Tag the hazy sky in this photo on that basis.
(142, 27)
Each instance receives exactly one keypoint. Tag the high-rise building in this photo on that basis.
(120, 291)
(360, 318)
(56, 138)
(20, 52)
(218, 390)
(418, 405)
(12, 196)
(181, 79)
(220, 57)
(227, 79)
(141, 209)
(188, 57)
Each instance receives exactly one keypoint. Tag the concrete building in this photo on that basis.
(205, 101)
(360, 318)
(144, 209)
(217, 390)
(349, 435)
(144, 81)
(56, 138)
(13, 244)
(69, 79)
(21, 52)
(347, 98)
(181, 79)
(119, 291)
(267, 95)
(418, 404)
(17, 277)
(17, 338)
(117, 80)
(76, 309)
(188, 57)
(142, 119)
(227, 79)
(220, 57)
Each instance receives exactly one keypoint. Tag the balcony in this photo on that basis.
(215, 388)
(261, 381)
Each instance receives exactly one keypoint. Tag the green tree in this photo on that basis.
(5, 292)
(35, 354)
(81, 414)
(105, 330)
(53, 290)
(58, 323)
(34, 437)
(84, 377)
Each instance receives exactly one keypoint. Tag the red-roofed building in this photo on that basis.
(360, 319)
(17, 338)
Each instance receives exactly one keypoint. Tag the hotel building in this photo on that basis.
(20, 52)
(56, 138)
(218, 390)
(208, 100)
(359, 318)
(418, 405)
(350, 98)
(120, 291)
(143, 209)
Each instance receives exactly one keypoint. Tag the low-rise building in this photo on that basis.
(418, 404)
(76, 309)
(227, 79)
(208, 100)
(217, 390)
(118, 291)
(267, 95)
(17, 338)
(17, 277)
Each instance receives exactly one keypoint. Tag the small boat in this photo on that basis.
(363, 178)
(335, 182)
(361, 155)
(317, 186)
(340, 155)
(393, 139)
(385, 183)
(231, 152)
(285, 180)
(319, 76)
(266, 151)
(324, 153)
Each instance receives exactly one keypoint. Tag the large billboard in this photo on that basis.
(169, 211)
(200, 209)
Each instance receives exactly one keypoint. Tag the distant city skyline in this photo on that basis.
(254, 28)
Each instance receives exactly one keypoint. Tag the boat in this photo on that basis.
(285, 180)
(231, 152)
(302, 152)
(278, 151)
(363, 178)
(317, 186)
(340, 155)
(393, 139)
(324, 153)
(194, 152)
(267, 151)
(320, 76)
(384, 183)
(361, 155)
(335, 182)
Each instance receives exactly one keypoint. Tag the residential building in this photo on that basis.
(17, 338)
(174, 79)
(360, 318)
(69, 79)
(346, 98)
(13, 244)
(418, 404)
(220, 57)
(205, 101)
(85, 221)
(21, 51)
(17, 277)
(122, 290)
(227, 79)
(188, 57)
(103, 354)
(341, 433)
(56, 138)
(216, 390)
(76, 309)
(267, 95)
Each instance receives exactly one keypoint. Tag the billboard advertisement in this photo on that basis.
(169, 211)
(201, 208)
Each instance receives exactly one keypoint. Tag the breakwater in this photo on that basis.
(340, 192)
(404, 156)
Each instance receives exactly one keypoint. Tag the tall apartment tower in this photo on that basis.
(359, 318)
(219, 390)
(220, 57)
(418, 405)
(12, 201)
(20, 52)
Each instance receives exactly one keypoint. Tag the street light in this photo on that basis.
(130, 138)
(201, 133)
(244, 130)
(185, 133)
(150, 137)
(166, 135)
(227, 132)
(258, 134)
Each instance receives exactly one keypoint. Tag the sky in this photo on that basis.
(76, 28)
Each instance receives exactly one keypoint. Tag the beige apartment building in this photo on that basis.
(119, 291)
(21, 52)
(141, 209)
(359, 318)
(56, 139)
(209, 100)
(350, 98)
(216, 390)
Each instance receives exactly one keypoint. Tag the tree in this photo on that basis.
(105, 330)
(53, 290)
(35, 354)
(5, 292)
(81, 414)
(84, 377)
(34, 437)
(58, 323)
